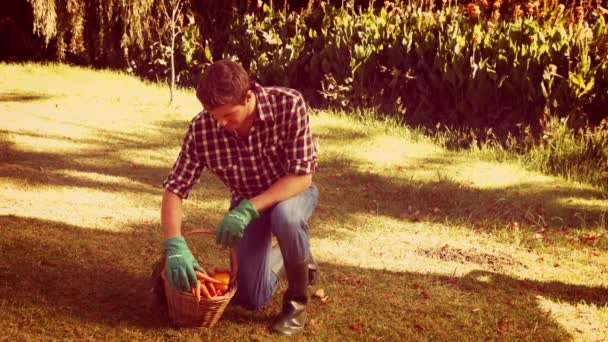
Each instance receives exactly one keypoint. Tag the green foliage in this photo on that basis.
(485, 79)
(460, 69)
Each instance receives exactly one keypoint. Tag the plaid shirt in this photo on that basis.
(280, 143)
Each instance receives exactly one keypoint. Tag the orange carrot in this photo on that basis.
(205, 277)
(205, 291)
(212, 289)
(198, 291)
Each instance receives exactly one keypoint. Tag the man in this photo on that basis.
(258, 142)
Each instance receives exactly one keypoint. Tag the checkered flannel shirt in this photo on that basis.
(280, 143)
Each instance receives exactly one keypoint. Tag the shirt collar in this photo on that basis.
(263, 102)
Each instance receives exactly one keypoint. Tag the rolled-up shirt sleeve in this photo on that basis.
(299, 147)
(187, 168)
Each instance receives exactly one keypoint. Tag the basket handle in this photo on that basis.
(233, 259)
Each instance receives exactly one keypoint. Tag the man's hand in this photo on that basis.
(233, 225)
(180, 264)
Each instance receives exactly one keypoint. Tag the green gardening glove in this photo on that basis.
(233, 225)
(180, 264)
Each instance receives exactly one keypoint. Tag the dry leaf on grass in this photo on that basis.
(528, 285)
(351, 281)
(503, 326)
(357, 327)
(320, 293)
(453, 280)
(589, 238)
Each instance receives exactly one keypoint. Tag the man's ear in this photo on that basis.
(250, 95)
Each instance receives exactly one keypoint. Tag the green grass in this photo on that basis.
(415, 242)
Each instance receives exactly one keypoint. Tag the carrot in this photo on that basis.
(205, 291)
(198, 291)
(205, 277)
(212, 289)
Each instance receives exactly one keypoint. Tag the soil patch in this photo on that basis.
(447, 253)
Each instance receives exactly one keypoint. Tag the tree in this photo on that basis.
(174, 19)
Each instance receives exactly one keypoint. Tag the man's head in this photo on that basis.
(225, 92)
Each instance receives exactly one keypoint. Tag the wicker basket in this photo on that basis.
(185, 311)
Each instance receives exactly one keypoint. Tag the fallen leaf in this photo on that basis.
(541, 259)
(453, 280)
(556, 265)
(538, 236)
(589, 238)
(351, 281)
(47, 263)
(418, 327)
(320, 293)
(357, 327)
(152, 251)
(503, 326)
(415, 285)
(594, 252)
(528, 285)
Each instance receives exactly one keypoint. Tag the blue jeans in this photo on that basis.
(288, 221)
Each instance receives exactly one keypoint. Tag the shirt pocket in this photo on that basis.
(228, 173)
(273, 159)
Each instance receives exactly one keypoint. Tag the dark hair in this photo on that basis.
(223, 82)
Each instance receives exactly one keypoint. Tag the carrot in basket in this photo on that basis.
(206, 277)
(198, 291)
(205, 291)
(212, 289)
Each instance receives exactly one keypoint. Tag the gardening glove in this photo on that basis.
(180, 264)
(233, 225)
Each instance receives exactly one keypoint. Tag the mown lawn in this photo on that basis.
(414, 242)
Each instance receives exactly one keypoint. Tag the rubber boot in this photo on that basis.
(292, 318)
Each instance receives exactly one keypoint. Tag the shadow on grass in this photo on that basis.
(346, 187)
(97, 157)
(87, 275)
(22, 96)
(59, 274)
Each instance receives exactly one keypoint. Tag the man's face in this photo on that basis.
(232, 116)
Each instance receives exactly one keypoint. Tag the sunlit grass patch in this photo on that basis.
(576, 318)
(415, 242)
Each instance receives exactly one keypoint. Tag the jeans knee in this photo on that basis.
(284, 219)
